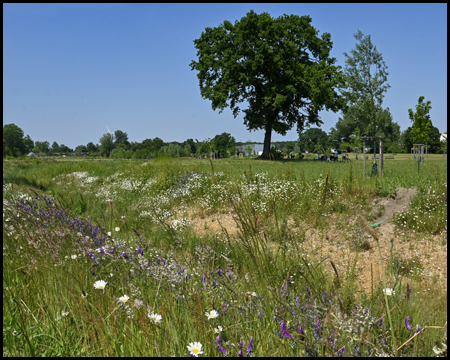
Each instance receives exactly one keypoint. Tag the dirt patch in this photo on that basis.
(392, 206)
(344, 240)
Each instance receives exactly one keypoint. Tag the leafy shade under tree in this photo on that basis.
(280, 67)
(421, 121)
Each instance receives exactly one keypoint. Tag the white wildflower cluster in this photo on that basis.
(180, 224)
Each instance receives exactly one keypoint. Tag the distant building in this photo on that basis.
(443, 137)
(32, 154)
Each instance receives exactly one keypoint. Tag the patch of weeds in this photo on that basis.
(339, 208)
(362, 240)
(381, 210)
(410, 267)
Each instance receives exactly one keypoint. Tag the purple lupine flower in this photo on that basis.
(296, 300)
(318, 323)
(250, 346)
(93, 273)
(224, 307)
(342, 351)
(284, 330)
(219, 345)
(125, 256)
(138, 250)
(418, 329)
(408, 326)
(309, 291)
(220, 272)
(381, 322)
(300, 330)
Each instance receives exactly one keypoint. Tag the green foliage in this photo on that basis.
(224, 143)
(252, 61)
(13, 140)
(313, 139)
(267, 273)
(366, 74)
(107, 144)
(421, 121)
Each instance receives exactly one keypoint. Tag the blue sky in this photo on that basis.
(70, 70)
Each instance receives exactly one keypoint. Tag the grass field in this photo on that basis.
(171, 257)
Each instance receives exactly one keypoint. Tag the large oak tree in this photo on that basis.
(280, 67)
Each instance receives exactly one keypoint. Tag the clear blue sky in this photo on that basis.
(71, 69)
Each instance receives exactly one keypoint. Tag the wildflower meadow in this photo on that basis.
(227, 257)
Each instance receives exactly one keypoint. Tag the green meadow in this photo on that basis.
(227, 257)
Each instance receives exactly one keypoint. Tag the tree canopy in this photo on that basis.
(366, 76)
(13, 140)
(280, 67)
(421, 121)
(312, 139)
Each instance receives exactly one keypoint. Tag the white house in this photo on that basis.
(443, 137)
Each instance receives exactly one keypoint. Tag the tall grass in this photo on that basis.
(126, 223)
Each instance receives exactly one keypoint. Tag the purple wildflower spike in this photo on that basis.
(381, 322)
(125, 256)
(284, 330)
(220, 272)
(93, 273)
(219, 345)
(300, 330)
(418, 329)
(342, 351)
(250, 346)
(408, 326)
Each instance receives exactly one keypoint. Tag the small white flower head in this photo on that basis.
(388, 291)
(212, 315)
(100, 284)
(155, 317)
(109, 233)
(14, 332)
(64, 313)
(79, 234)
(253, 294)
(195, 348)
(84, 294)
(117, 228)
(111, 275)
(218, 330)
(73, 257)
(124, 298)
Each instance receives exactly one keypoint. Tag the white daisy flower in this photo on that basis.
(195, 348)
(124, 298)
(388, 291)
(212, 315)
(155, 317)
(117, 228)
(109, 233)
(73, 257)
(100, 284)
(218, 330)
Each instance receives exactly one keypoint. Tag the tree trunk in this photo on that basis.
(267, 155)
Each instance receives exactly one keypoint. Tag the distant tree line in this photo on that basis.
(116, 145)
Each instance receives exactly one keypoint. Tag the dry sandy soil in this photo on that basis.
(343, 242)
